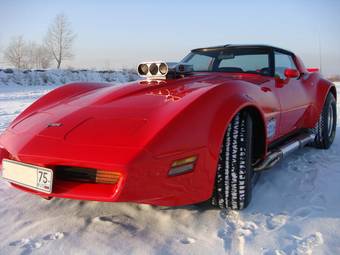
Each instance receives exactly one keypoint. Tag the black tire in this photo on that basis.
(233, 183)
(325, 128)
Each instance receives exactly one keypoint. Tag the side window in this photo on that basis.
(282, 62)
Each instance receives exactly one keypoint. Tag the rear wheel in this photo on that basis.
(233, 183)
(325, 128)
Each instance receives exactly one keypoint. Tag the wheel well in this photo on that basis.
(333, 91)
(259, 133)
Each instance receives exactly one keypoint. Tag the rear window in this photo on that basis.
(248, 63)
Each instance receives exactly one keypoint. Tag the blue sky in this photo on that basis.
(123, 33)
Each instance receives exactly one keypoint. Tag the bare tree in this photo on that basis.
(44, 59)
(59, 39)
(16, 52)
(38, 56)
(31, 54)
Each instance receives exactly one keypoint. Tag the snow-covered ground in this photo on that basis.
(295, 210)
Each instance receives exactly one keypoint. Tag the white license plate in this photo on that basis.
(29, 176)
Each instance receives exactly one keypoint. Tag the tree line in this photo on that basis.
(56, 47)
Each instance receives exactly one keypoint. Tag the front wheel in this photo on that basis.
(233, 183)
(325, 128)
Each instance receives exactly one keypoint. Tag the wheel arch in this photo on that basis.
(259, 130)
(333, 91)
(322, 91)
(258, 138)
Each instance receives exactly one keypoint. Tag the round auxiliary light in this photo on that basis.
(143, 69)
(163, 68)
(153, 69)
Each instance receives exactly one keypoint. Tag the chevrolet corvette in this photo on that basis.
(198, 130)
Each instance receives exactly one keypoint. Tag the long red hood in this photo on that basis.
(119, 116)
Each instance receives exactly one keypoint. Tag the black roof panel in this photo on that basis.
(221, 47)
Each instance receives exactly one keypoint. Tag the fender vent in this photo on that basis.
(89, 175)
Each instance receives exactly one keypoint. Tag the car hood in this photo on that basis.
(120, 116)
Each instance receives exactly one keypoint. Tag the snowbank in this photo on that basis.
(58, 77)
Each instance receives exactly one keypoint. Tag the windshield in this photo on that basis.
(230, 60)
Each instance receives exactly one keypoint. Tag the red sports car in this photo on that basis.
(189, 132)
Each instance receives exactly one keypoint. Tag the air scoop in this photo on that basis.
(156, 70)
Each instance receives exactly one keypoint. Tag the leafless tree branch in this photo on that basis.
(59, 39)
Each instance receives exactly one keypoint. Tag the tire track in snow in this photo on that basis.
(235, 232)
(28, 245)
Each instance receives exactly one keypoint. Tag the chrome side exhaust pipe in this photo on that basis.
(283, 151)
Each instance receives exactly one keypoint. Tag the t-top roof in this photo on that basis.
(222, 47)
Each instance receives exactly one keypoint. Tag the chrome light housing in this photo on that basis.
(162, 70)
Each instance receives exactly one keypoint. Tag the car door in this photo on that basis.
(291, 92)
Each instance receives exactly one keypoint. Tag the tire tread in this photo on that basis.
(232, 179)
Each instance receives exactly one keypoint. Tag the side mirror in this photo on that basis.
(292, 73)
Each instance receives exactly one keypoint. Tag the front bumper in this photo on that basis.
(3, 154)
(143, 177)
